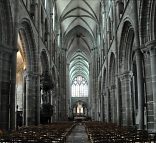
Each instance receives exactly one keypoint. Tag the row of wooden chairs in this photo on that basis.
(99, 132)
(52, 133)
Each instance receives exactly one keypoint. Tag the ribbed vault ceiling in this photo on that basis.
(78, 20)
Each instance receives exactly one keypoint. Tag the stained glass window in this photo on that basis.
(79, 87)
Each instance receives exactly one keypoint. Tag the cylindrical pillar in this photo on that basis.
(13, 68)
(140, 85)
(102, 107)
(140, 81)
(27, 100)
(36, 13)
(113, 107)
(5, 91)
(38, 97)
(12, 92)
(108, 106)
(1, 59)
(31, 105)
(128, 101)
(119, 101)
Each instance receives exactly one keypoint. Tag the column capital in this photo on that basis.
(149, 46)
(138, 52)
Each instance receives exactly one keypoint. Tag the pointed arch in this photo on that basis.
(126, 47)
(29, 46)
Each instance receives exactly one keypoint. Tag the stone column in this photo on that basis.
(13, 69)
(24, 98)
(108, 119)
(1, 75)
(36, 13)
(1, 59)
(108, 32)
(28, 81)
(54, 103)
(37, 98)
(140, 85)
(12, 90)
(67, 91)
(31, 105)
(127, 77)
(99, 108)
(140, 81)
(102, 107)
(113, 107)
(90, 90)
(119, 106)
(153, 75)
(5, 89)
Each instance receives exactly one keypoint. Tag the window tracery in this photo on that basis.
(79, 87)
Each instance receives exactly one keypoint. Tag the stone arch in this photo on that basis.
(84, 105)
(126, 47)
(29, 47)
(128, 76)
(147, 20)
(31, 88)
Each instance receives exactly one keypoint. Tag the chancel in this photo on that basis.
(78, 71)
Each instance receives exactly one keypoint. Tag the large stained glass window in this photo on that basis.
(79, 87)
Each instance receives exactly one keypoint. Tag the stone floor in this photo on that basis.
(78, 135)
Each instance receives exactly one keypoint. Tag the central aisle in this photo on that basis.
(78, 135)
